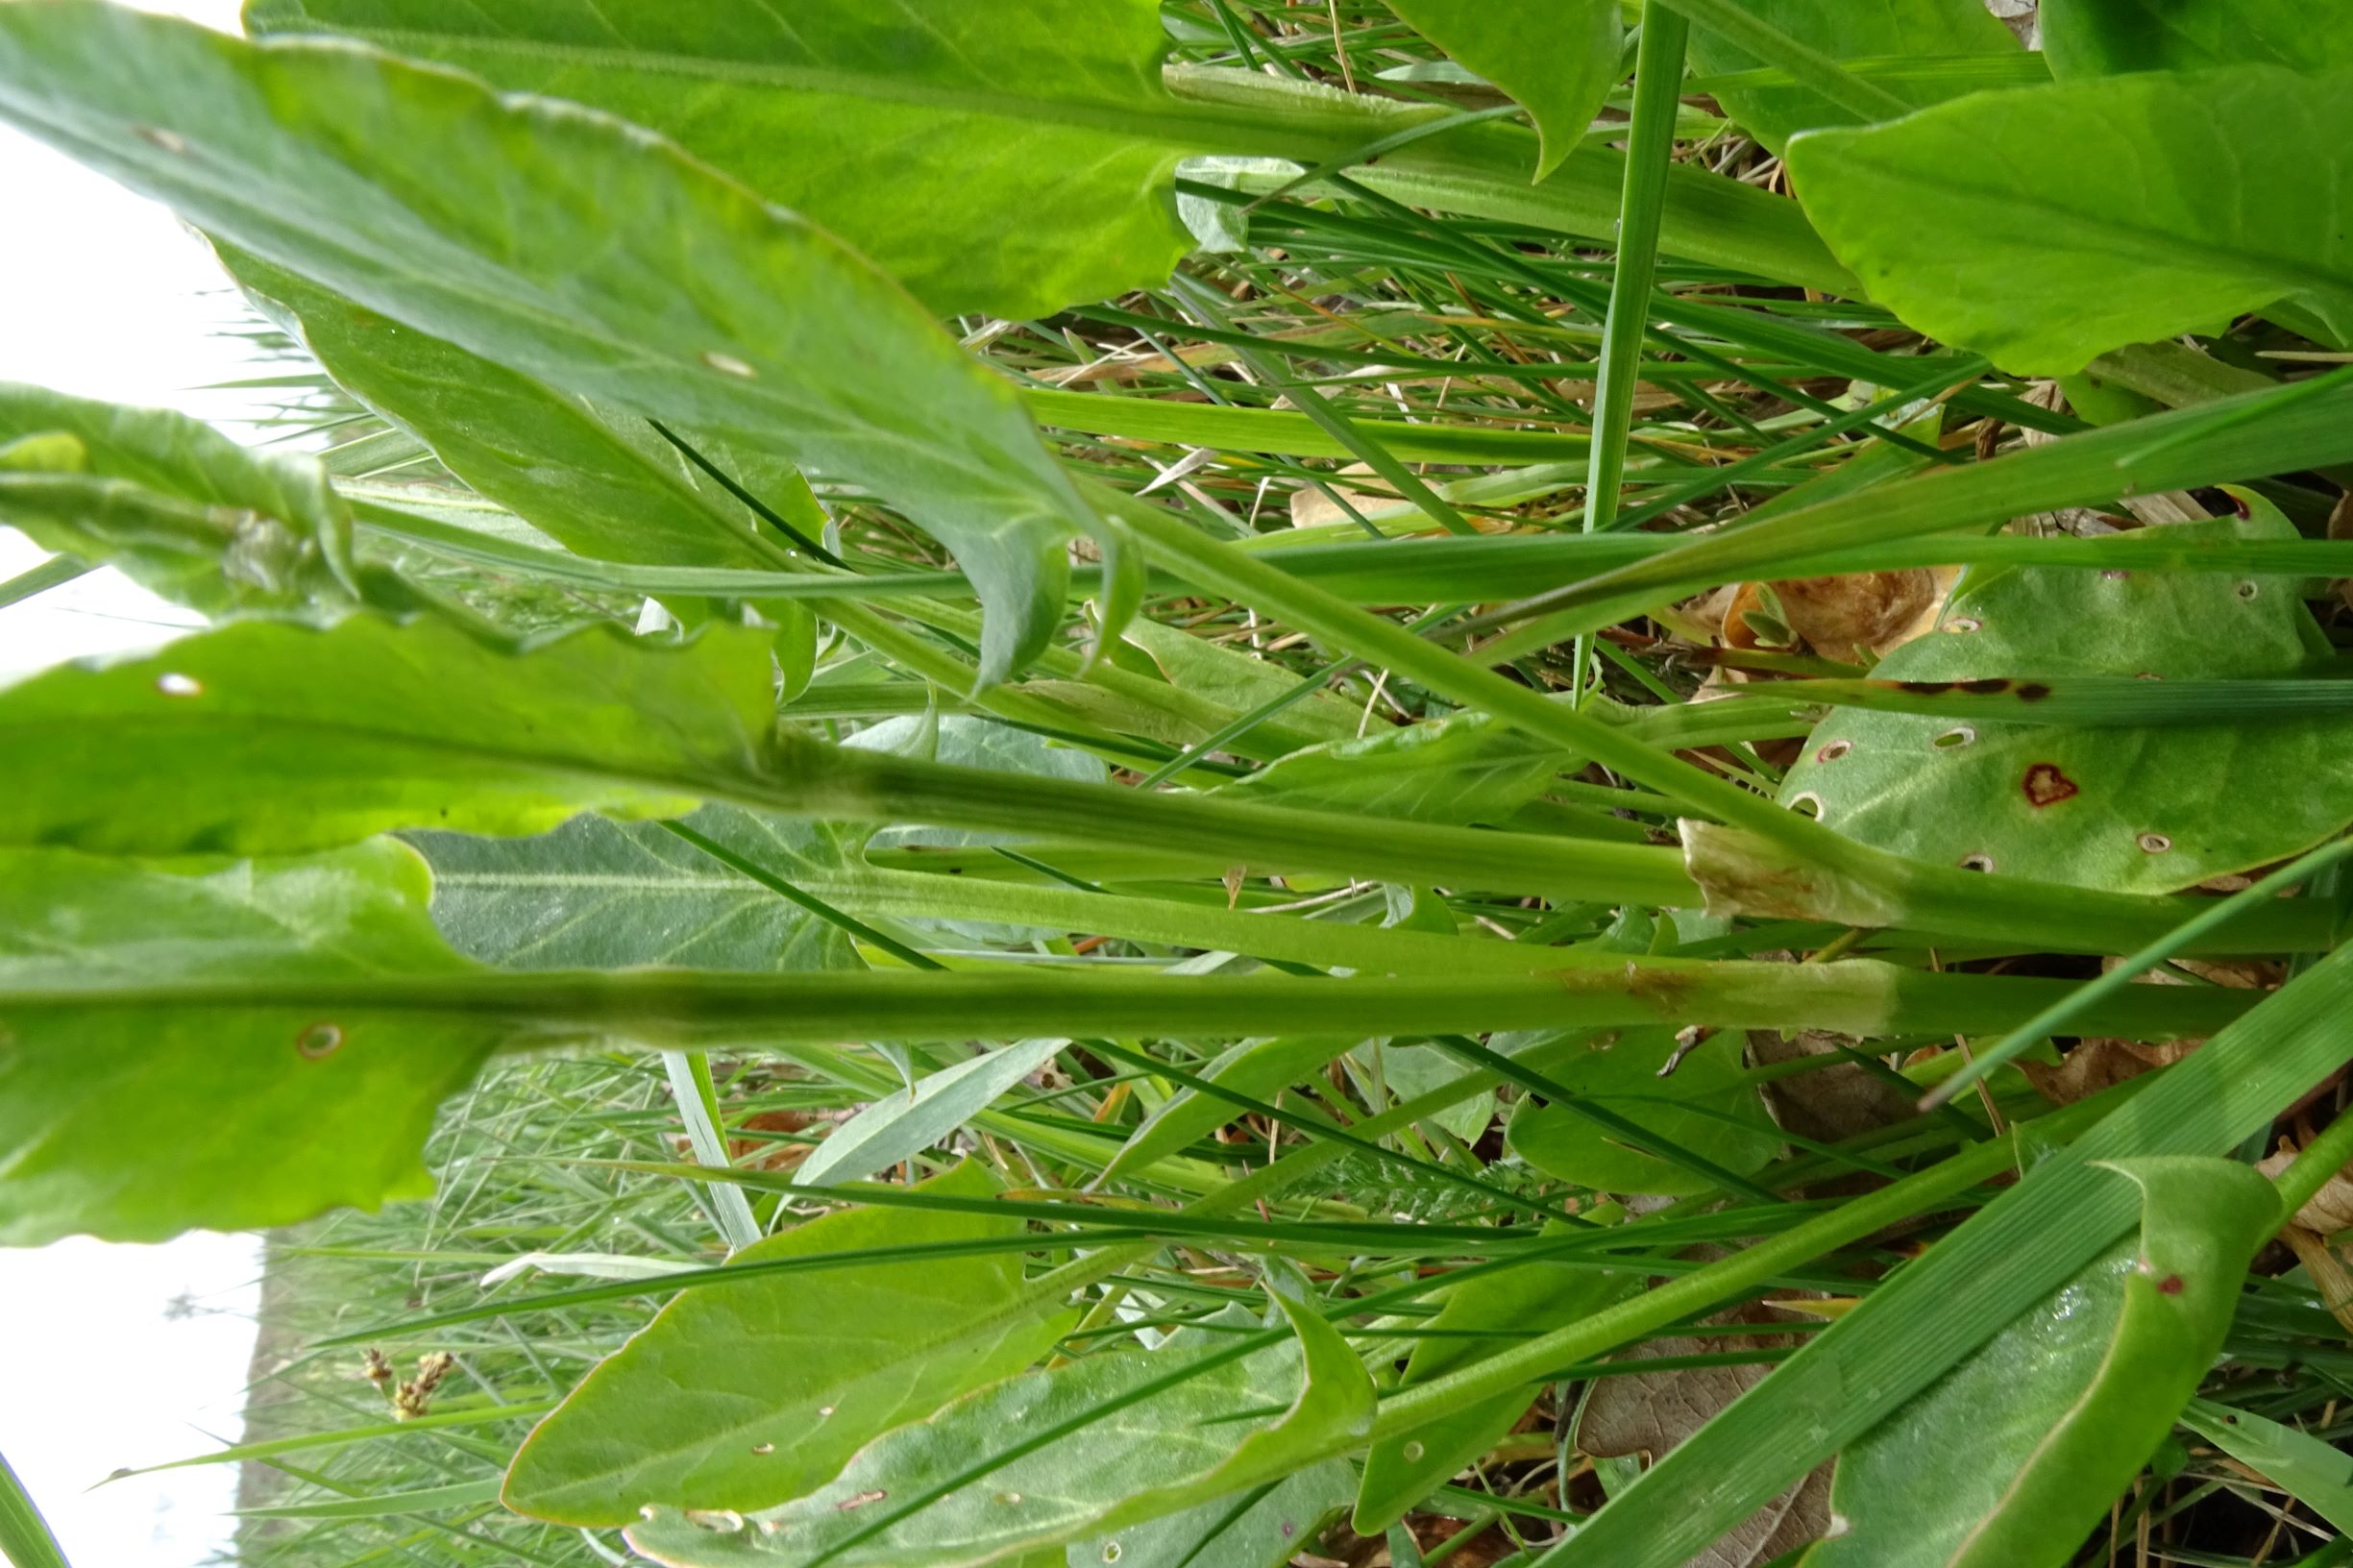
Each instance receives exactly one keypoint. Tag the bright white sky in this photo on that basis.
(117, 1356)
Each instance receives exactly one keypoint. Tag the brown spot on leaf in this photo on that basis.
(2169, 1285)
(2032, 691)
(2047, 786)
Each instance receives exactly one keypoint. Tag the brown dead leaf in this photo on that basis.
(2327, 1210)
(1871, 610)
(1645, 1414)
(2096, 1064)
(1830, 1104)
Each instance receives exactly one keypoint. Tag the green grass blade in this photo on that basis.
(1995, 1266)
(24, 1538)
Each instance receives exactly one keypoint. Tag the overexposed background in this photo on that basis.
(117, 1356)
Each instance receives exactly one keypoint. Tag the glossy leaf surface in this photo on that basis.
(136, 1122)
(599, 480)
(555, 243)
(1054, 112)
(757, 1393)
(277, 739)
(1078, 1452)
(2064, 1406)
(1557, 61)
(2100, 37)
(1886, 28)
(1960, 221)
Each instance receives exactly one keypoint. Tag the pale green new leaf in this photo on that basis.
(134, 1123)
(2175, 213)
(2102, 38)
(1087, 1449)
(1880, 29)
(2062, 1406)
(752, 1395)
(2130, 809)
(570, 248)
(1557, 58)
(179, 507)
(904, 1124)
(266, 738)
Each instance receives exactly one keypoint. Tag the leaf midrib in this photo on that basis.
(1179, 126)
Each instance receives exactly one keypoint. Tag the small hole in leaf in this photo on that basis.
(1966, 623)
(1110, 1552)
(647, 1510)
(1413, 1453)
(1008, 1499)
(319, 1040)
(728, 364)
(170, 141)
(1977, 862)
(2155, 843)
(1958, 735)
(172, 683)
(2247, 590)
(823, 1410)
(1809, 804)
(764, 1448)
(1834, 750)
(721, 1521)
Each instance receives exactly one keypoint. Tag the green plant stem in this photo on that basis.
(1852, 1221)
(2060, 1013)
(869, 787)
(1424, 568)
(2250, 436)
(1482, 170)
(1650, 152)
(2313, 1168)
(53, 573)
(26, 1540)
(666, 1008)
(1900, 891)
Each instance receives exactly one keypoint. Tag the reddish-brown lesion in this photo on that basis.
(2046, 785)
